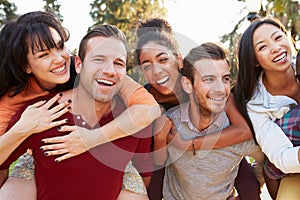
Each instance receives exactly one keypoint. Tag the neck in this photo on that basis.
(282, 83)
(174, 98)
(200, 118)
(90, 110)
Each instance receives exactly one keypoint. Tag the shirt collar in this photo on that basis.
(217, 124)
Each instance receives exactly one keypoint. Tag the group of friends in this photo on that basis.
(80, 128)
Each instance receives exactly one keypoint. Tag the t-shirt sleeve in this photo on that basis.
(274, 143)
(143, 159)
(10, 105)
(134, 93)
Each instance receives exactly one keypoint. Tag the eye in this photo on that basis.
(42, 54)
(227, 79)
(98, 60)
(208, 79)
(146, 67)
(262, 47)
(164, 59)
(278, 37)
(118, 63)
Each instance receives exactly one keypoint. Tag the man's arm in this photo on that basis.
(142, 111)
(162, 128)
(3, 176)
(34, 119)
(237, 132)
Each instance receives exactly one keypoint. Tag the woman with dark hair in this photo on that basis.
(34, 62)
(265, 91)
(157, 52)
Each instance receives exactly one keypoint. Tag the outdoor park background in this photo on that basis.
(193, 21)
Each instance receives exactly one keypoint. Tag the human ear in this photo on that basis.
(180, 62)
(186, 85)
(78, 64)
(28, 69)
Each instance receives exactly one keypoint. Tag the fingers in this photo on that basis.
(37, 104)
(55, 152)
(57, 149)
(64, 157)
(66, 128)
(64, 105)
(58, 139)
(53, 100)
(60, 113)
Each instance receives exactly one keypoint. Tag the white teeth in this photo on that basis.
(280, 57)
(162, 81)
(217, 99)
(58, 70)
(105, 82)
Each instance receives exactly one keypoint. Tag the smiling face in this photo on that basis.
(49, 67)
(273, 49)
(211, 84)
(103, 68)
(160, 67)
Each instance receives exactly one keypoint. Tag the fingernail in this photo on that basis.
(60, 94)
(67, 120)
(55, 160)
(69, 101)
(58, 128)
(46, 154)
(41, 148)
(69, 107)
(43, 142)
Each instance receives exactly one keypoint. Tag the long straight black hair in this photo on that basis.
(30, 31)
(248, 72)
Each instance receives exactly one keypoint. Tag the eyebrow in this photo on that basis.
(121, 60)
(162, 53)
(263, 41)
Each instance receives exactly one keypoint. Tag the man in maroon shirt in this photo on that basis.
(96, 174)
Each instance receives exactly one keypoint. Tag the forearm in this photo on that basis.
(131, 121)
(159, 151)
(147, 181)
(3, 176)
(275, 144)
(220, 139)
(10, 141)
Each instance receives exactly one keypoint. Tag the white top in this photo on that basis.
(263, 109)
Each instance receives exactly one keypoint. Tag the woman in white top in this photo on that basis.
(266, 89)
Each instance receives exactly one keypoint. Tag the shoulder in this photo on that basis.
(21, 109)
(174, 110)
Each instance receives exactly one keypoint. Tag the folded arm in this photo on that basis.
(142, 110)
(237, 132)
(275, 144)
(35, 118)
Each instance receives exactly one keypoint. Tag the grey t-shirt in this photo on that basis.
(208, 175)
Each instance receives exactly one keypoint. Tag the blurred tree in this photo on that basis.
(124, 14)
(53, 6)
(287, 11)
(7, 11)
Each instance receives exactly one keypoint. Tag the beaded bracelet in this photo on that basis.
(193, 147)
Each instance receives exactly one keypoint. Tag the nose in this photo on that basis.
(275, 48)
(60, 55)
(109, 69)
(157, 69)
(219, 86)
